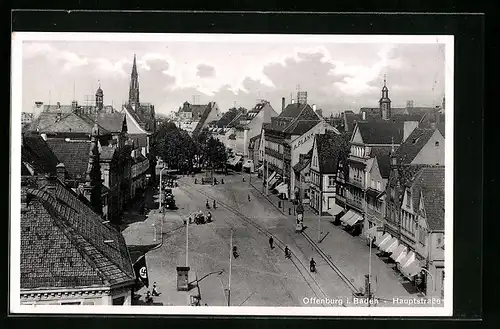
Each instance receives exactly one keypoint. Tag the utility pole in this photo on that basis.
(267, 174)
(369, 283)
(230, 267)
(319, 210)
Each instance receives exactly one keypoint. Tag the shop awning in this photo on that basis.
(382, 239)
(279, 185)
(399, 253)
(384, 244)
(410, 257)
(347, 216)
(335, 210)
(260, 168)
(391, 245)
(283, 189)
(235, 160)
(271, 176)
(354, 219)
(411, 269)
(274, 180)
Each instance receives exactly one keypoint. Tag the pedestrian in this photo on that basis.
(155, 290)
(207, 205)
(215, 205)
(312, 265)
(195, 181)
(271, 241)
(222, 180)
(287, 252)
(249, 200)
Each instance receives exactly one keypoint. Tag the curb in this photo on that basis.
(269, 199)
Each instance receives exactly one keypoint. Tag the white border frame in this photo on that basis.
(15, 175)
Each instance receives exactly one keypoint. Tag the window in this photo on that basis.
(379, 186)
(436, 143)
(408, 199)
(331, 180)
(71, 303)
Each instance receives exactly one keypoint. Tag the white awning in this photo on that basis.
(386, 243)
(347, 216)
(335, 210)
(391, 246)
(235, 160)
(410, 257)
(382, 239)
(399, 253)
(261, 168)
(282, 188)
(271, 176)
(278, 186)
(354, 219)
(412, 269)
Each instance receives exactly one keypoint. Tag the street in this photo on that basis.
(260, 276)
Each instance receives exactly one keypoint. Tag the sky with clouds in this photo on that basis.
(336, 76)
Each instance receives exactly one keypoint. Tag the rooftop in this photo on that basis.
(63, 241)
(381, 132)
(430, 182)
(74, 155)
(37, 154)
(408, 150)
(330, 147)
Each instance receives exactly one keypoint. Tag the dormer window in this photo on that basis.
(436, 143)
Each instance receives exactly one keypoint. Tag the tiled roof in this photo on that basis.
(140, 140)
(74, 155)
(56, 108)
(329, 151)
(408, 150)
(300, 127)
(430, 181)
(37, 153)
(381, 132)
(48, 122)
(112, 122)
(143, 115)
(63, 242)
(405, 174)
(383, 155)
(293, 110)
(204, 117)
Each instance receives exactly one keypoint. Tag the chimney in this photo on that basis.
(44, 136)
(364, 115)
(433, 125)
(282, 103)
(61, 172)
(58, 105)
(293, 101)
(314, 107)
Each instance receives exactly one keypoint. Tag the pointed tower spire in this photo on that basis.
(99, 97)
(385, 102)
(133, 96)
(93, 178)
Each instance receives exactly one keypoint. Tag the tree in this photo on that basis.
(215, 153)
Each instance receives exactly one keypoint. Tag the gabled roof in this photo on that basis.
(48, 122)
(293, 110)
(36, 152)
(143, 114)
(204, 117)
(63, 242)
(408, 150)
(328, 147)
(430, 182)
(383, 155)
(296, 119)
(74, 155)
(112, 122)
(300, 127)
(381, 132)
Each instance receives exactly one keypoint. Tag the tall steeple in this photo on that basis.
(385, 102)
(93, 178)
(133, 95)
(99, 97)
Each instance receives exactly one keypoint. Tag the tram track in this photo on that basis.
(301, 268)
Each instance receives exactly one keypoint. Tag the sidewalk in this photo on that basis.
(350, 254)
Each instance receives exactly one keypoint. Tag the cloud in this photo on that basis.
(205, 71)
(69, 59)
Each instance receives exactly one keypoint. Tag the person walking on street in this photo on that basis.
(155, 290)
(215, 205)
(312, 265)
(271, 241)
(249, 200)
(287, 252)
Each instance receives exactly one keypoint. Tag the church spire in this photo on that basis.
(93, 178)
(385, 102)
(133, 96)
(99, 97)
